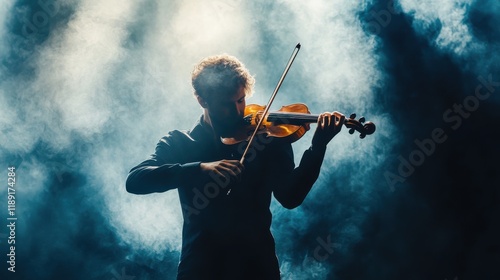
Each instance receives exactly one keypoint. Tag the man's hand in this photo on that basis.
(329, 124)
(227, 169)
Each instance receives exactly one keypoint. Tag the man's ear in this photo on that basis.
(202, 101)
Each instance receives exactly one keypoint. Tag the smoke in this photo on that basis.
(88, 87)
(454, 34)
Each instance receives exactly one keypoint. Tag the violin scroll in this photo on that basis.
(359, 126)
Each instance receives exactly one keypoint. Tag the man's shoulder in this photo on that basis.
(176, 136)
(184, 135)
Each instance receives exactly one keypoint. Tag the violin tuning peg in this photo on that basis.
(362, 119)
(362, 135)
(351, 131)
(352, 116)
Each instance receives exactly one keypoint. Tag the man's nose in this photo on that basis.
(234, 110)
(240, 109)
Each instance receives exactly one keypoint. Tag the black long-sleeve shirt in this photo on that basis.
(226, 236)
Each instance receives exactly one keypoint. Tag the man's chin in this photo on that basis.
(228, 130)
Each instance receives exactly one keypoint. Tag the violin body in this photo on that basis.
(290, 122)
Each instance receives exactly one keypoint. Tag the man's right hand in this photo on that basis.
(227, 169)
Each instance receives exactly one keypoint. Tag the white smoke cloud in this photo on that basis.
(5, 7)
(83, 56)
(455, 33)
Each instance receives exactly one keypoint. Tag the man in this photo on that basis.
(227, 236)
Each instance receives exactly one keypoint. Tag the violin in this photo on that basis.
(290, 122)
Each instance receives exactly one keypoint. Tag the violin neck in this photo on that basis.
(291, 118)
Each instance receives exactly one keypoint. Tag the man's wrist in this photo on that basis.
(317, 148)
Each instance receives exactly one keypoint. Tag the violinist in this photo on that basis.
(227, 236)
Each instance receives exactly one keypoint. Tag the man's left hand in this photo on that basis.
(329, 124)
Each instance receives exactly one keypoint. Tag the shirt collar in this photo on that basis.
(201, 130)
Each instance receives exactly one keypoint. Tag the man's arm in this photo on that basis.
(149, 177)
(292, 185)
(161, 172)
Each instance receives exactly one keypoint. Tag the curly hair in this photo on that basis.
(221, 75)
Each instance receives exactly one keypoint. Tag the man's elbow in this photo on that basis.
(133, 186)
(130, 186)
(136, 184)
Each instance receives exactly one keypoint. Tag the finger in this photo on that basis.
(219, 174)
(234, 168)
(238, 170)
(229, 171)
(328, 119)
(323, 120)
(339, 120)
(339, 117)
(231, 164)
(235, 165)
(320, 121)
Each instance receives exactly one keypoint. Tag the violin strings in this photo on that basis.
(290, 116)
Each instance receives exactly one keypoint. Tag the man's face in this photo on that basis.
(226, 112)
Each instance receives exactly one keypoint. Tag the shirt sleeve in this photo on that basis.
(162, 171)
(292, 184)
